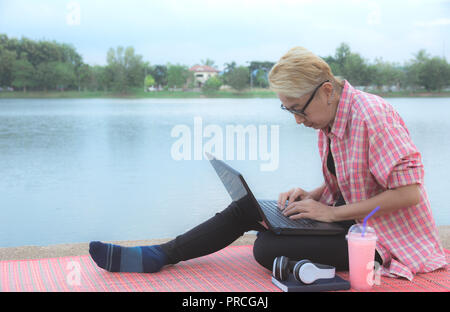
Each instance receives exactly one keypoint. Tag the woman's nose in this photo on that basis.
(299, 119)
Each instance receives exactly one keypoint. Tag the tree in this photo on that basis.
(342, 54)
(415, 68)
(159, 72)
(70, 55)
(64, 75)
(356, 69)
(385, 73)
(81, 71)
(45, 74)
(434, 74)
(239, 78)
(53, 75)
(259, 72)
(100, 78)
(16, 56)
(24, 74)
(126, 67)
(177, 75)
(149, 81)
(212, 85)
(29, 48)
(7, 59)
(85, 77)
(261, 79)
(349, 65)
(229, 67)
(135, 66)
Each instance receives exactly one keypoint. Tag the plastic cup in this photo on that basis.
(361, 256)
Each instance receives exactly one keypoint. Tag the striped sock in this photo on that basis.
(114, 258)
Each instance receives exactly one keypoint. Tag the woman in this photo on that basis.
(368, 160)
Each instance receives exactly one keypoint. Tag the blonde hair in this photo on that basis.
(298, 72)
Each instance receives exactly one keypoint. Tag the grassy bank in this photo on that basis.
(254, 93)
(139, 94)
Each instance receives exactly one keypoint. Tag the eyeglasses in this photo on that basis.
(302, 111)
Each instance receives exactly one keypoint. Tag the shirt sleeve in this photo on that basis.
(394, 160)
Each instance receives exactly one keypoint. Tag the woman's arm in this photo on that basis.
(389, 201)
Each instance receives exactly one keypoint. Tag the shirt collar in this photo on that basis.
(342, 112)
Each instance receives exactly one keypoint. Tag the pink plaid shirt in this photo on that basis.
(373, 152)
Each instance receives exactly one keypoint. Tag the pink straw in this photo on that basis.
(367, 218)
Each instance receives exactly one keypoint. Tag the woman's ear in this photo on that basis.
(329, 92)
(331, 97)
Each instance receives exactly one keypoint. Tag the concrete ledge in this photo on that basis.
(77, 249)
(63, 250)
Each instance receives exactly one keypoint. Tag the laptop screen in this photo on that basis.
(230, 179)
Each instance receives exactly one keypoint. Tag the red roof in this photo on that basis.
(203, 68)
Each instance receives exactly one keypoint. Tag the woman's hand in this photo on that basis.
(310, 209)
(292, 195)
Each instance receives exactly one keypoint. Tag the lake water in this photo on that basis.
(76, 170)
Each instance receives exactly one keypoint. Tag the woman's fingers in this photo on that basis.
(282, 200)
(301, 215)
(290, 196)
(296, 208)
(297, 192)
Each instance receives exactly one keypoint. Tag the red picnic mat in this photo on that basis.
(230, 269)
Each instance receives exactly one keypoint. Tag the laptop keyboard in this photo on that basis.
(276, 217)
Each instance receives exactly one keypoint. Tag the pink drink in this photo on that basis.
(361, 255)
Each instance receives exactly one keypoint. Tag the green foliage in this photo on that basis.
(238, 78)
(126, 68)
(100, 78)
(260, 78)
(64, 75)
(149, 81)
(350, 66)
(43, 64)
(259, 72)
(430, 73)
(178, 75)
(47, 65)
(212, 85)
(24, 74)
(385, 74)
(7, 59)
(159, 72)
(45, 74)
(229, 67)
(85, 77)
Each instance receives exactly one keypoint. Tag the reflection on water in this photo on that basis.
(101, 169)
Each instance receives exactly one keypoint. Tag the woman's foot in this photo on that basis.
(114, 258)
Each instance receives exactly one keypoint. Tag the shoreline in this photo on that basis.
(254, 93)
(79, 249)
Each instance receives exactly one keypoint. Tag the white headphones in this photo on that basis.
(304, 271)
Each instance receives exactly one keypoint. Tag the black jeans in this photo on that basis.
(241, 216)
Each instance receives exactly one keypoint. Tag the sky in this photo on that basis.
(188, 31)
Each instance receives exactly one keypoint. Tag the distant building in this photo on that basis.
(203, 73)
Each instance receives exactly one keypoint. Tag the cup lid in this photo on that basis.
(357, 230)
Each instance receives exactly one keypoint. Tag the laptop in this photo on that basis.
(278, 223)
